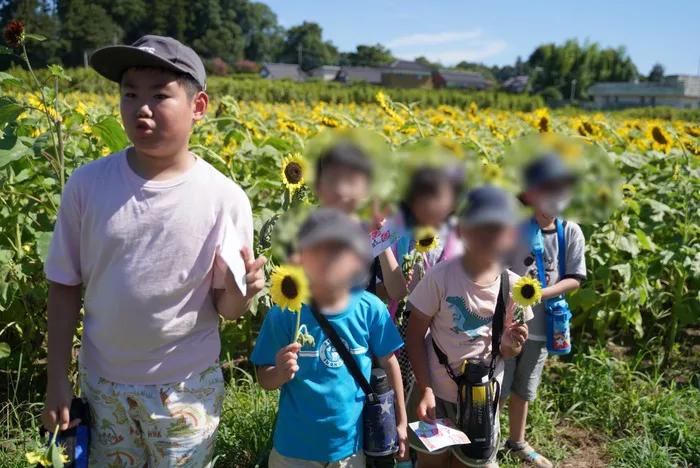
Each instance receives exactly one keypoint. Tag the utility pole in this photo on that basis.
(300, 49)
(573, 90)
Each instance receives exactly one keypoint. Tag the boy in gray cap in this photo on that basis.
(320, 409)
(162, 243)
(463, 325)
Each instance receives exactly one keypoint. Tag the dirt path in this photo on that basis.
(589, 451)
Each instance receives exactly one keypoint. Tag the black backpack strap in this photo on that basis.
(499, 318)
(344, 354)
(442, 359)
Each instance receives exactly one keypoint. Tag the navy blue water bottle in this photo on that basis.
(379, 419)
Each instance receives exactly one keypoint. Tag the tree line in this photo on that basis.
(232, 31)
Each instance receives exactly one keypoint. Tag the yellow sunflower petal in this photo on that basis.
(293, 171)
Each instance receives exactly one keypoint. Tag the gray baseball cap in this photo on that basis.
(149, 51)
(329, 225)
(489, 205)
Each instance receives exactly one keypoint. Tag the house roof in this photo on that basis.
(517, 80)
(327, 68)
(407, 65)
(452, 76)
(370, 75)
(277, 71)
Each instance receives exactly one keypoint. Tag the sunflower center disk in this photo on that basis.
(293, 172)
(289, 288)
(528, 291)
(426, 242)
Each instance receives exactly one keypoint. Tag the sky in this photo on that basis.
(497, 32)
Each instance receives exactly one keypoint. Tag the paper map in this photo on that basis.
(383, 238)
(442, 434)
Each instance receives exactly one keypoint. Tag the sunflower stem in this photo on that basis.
(296, 333)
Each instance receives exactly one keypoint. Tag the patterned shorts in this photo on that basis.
(407, 375)
(154, 425)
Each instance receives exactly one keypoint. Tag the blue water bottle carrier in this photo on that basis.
(557, 313)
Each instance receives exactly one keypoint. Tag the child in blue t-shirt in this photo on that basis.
(320, 407)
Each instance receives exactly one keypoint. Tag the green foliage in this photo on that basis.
(307, 39)
(367, 56)
(557, 65)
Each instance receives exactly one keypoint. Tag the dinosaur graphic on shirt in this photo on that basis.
(466, 321)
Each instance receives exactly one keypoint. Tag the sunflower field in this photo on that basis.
(643, 260)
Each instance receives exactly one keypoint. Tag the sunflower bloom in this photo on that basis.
(35, 457)
(426, 239)
(289, 288)
(293, 169)
(660, 138)
(14, 34)
(527, 291)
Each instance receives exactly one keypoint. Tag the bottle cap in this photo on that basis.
(379, 382)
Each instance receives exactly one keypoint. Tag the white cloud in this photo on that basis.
(432, 39)
(472, 53)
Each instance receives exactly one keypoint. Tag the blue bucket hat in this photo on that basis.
(489, 205)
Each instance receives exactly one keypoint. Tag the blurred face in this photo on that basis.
(489, 240)
(157, 112)
(432, 210)
(551, 200)
(330, 266)
(342, 188)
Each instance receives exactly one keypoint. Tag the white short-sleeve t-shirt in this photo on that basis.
(147, 254)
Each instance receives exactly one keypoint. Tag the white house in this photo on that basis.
(681, 91)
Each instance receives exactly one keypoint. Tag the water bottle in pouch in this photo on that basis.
(478, 400)
(379, 419)
(558, 318)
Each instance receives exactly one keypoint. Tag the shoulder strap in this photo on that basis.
(345, 355)
(537, 244)
(561, 239)
(499, 316)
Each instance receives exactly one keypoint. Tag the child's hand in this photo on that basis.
(57, 408)
(513, 338)
(254, 276)
(286, 362)
(426, 407)
(402, 430)
(378, 216)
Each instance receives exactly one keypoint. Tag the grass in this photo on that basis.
(595, 411)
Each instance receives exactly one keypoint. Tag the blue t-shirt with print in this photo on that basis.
(320, 409)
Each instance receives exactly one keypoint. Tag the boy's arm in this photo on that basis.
(393, 372)
(418, 324)
(393, 280)
(562, 287)
(64, 309)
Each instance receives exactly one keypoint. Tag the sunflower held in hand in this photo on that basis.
(289, 287)
(426, 239)
(527, 292)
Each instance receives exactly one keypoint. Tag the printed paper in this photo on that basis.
(440, 435)
(384, 237)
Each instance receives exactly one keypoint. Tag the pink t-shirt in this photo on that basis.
(147, 254)
(462, 313)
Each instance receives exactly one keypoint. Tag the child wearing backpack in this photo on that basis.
(461, 328)
(321, 403)
(559, 264)
(155, 235)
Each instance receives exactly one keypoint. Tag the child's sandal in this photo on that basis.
(527, 454)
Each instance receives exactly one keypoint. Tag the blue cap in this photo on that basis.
(489, 205)
(547, 170)
(330, 225)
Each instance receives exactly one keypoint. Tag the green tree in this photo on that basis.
(307, 40)
(262, 34)
(367, 56)
(84, 28)
(428, 63)
(213, 31)
(657, 73)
